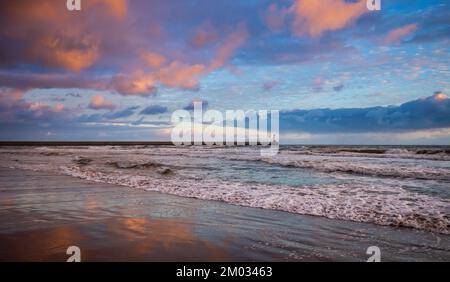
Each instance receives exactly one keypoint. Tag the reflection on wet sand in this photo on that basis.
(6, 201)
(40, 221)
(114, 239)
(166, 239)
(91, 203)
(39, 245)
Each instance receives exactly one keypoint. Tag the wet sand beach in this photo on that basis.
(42, 214)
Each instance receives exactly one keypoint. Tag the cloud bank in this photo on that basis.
(428, 113)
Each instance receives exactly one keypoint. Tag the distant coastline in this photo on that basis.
(91, 143)
(83, 143)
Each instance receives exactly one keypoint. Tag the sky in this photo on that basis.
(117, 70)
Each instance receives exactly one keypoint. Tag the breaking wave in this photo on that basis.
(331, 165)
(356, 202)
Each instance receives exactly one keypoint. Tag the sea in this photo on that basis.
(397, 186)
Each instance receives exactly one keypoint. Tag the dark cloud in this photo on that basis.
(14, 109)
(269, 85)
(58, 99)
(90, 118)
(428, 113)
(26, 80)
(338, 88)
(154, 110)
(74, 95)
(434, 25)
(77, 131)
(31, 120)
(191, 105)
(121, 114)
(125, 113)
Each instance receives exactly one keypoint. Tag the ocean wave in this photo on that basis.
(136, 165)
(355, 202)
(415, 153)
(341, 165)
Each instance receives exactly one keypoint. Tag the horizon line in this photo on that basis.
(169, 143)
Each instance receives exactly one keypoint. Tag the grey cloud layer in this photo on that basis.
(427, 113)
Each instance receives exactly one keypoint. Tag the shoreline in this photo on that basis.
(112, 223)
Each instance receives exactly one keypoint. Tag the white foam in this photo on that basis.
(416, 170)
(355, 202)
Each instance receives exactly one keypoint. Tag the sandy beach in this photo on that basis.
(42, 214)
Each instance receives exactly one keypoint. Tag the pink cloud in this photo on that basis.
(99, 102)
(275, 17)
(136, 84)
(313, 17)
(152, 59)
(400, 33)
(59, 107)
(203, 35)
(440, 96)
(117, 8)
(179, 74)
(233, 41)
(175, 75)
(13, 107)
(53, 37)
(9, 96)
